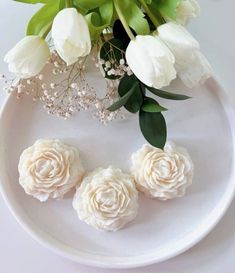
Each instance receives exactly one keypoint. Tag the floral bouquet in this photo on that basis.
(139, 46)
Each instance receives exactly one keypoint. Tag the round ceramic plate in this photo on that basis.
(204, 125)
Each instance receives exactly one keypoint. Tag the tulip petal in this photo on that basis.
(137, 60)
(28, 57)
(191, 65)
(71, 35)
(179, 40)
(151, 61)
(197, 72)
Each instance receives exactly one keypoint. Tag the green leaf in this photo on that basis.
(90, 4)
(62, 4)
(153, 128)
(43, 18)
(167, 95)
(113, 49)
(123, 100)
(166, 7)
(99, 19)
(120, 33)
(134, 16)
(152, 106)
(135, 101)
(76, 4)
(35, 1)
(106, 12)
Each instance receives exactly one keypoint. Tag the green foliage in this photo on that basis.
(134, 16)
(76, 4)
(153, 128)
(91, 4)
(112, 50)
(101, 14)
(99, 19)
(135, 101)
(152, 106)
(123, 100)
(40, 22)
(35, 1)
(167, 95)
(133, 98)
(120, 33)
(62, 4)
(166, 7)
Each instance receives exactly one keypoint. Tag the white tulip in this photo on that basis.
(186, 10)
(151, 61)
(191, 65)
(28, 57)
(71, 35)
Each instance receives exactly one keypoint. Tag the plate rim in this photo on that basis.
(135, 261)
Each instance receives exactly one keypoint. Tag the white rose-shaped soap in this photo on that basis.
(49, 169)
(162, 174)
(107, 199)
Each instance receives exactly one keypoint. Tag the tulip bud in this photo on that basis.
(186, 10)
(151, 61)
(191, 65)
(28, 57)
(71, 35)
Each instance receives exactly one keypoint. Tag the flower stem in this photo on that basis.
(150, 14)
(45, 31)
(123, 20)
(68, 3)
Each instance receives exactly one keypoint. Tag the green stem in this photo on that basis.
(123, 20)
(45, 31)
(68, 3)
(150, 14)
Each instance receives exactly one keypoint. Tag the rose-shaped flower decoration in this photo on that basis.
(162, 174)
(107, 199)
(49, 169)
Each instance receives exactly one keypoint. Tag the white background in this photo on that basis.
(216, 253)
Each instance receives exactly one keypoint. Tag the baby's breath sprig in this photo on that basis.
(64, 90)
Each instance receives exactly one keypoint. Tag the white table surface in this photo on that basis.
(216, 253)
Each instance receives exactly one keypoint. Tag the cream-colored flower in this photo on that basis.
(162, 174)
(107, 199)
(28, 57)
(151, 61)
(49, 169)
(71, 35)
(186, 10)
(191, 65)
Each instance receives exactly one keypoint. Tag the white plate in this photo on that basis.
(204, 125)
